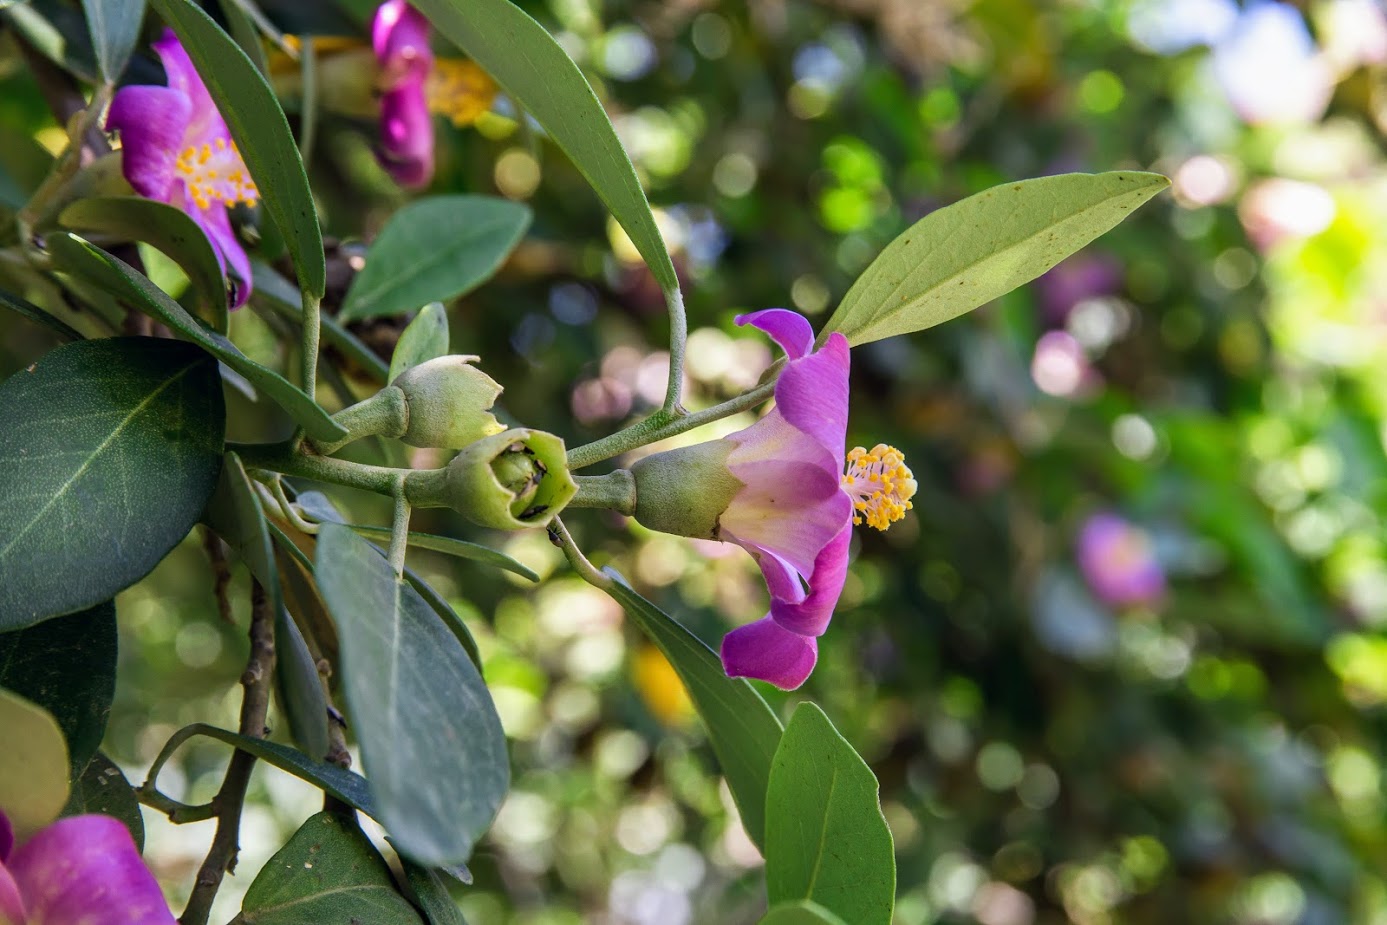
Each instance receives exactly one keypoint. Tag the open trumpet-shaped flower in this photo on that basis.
(175, 148)
(84, 870)
(780, 492)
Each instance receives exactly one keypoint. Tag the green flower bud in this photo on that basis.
(684, 491)
(511, 480)
(449, 403)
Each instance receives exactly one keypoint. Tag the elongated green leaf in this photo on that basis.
(31, 311)
(460, 548)
(114, 25)
(967, 254)
(245, 34)
(743, 730)
(235, 514)
(426, 338)
(67, 665)
(431, 895)
(261, 132)
(536, 71)
(329, 872)
(57, 32)
(347, 786)
(110, 451)
(171, 230)
(446, 613)
(800, 913)
(434, 250)
(431, 741)
(116, 276)
(101, 787)
(826, 839)
(33, 765)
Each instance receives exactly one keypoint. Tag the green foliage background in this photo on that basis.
(1042, 759)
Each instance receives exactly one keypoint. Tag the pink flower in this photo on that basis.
(400, 37)
(795, 510)
(83, 870)
(176, 149)
(1118, 562)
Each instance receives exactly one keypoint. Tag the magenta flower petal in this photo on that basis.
(790, 330)
(400, 38)
(812, 394)
(6, 837)
(206, 121)
(85, 870)
(406, 135)
(152, 122)
(811, 616)
(11, 903)
(216, 224)
(768, 652)
(792, 508)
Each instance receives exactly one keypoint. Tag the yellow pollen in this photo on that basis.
(214, 172)
(880, 485)
(460, 90)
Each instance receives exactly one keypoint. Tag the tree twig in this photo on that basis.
(230, 799)
(221, 569)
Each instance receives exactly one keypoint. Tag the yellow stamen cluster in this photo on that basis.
(215, 173)
(460, 90)
(880, 484)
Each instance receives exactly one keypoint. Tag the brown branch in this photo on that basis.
(216, 555)
(255, 703)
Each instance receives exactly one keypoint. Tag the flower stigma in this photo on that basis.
(215, 172)
(880, 485)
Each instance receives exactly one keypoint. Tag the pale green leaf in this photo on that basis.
(114, 26)
(424, 339)
(33, 765)
(967, 254)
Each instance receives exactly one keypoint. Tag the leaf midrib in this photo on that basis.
(823, 836)
(87, 463)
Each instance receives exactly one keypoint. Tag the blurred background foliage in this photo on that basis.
(1054, 743)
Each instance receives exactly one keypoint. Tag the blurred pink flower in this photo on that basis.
(83, 870)
(175, 148)
(1083, 276)
(400, 37)
(1118, 561)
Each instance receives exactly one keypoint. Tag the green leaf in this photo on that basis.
(235, 514)
(743, 730)
(114, 25)
(434, 250)
(33, 765)
(261, 133)
(171, 230)
(327, 872)
(57, 32)
(424, 339)
(826, 839)
(245, 34)
(110, 451)
(431, 742)
(446, 614)
(969, 253)
(539, 75)
(431, 895)
(101, 787)
(116, 276)
(452, 547)
(67, 665)
(347, 786)
(803, 912)
(31, 311)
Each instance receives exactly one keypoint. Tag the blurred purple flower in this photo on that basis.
(1119, 561)
(175, 148)
(83, 870)
(400, 37)
(1270, 69)
(795, 510)
(1083, 276)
